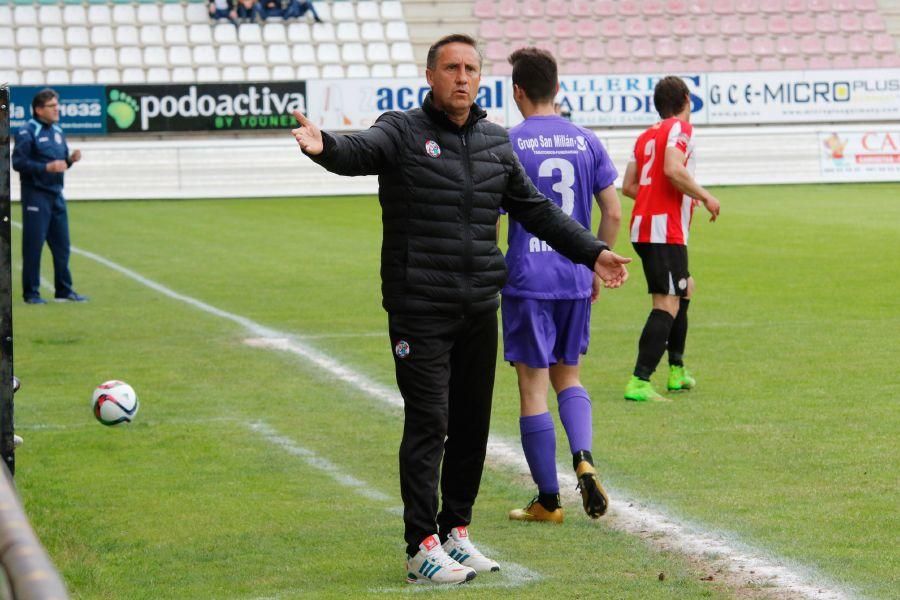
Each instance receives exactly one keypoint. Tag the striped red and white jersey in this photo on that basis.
(662, 214)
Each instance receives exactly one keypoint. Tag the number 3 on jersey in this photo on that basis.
(563, 187)
(649, 154)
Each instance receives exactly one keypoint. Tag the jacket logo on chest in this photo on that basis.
(432, 149)
(58, 138)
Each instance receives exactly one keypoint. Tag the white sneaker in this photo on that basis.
(460, 548)
(431, 564)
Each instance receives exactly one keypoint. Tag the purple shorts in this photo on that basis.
(540, 333)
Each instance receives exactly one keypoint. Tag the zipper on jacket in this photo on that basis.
(467, 230)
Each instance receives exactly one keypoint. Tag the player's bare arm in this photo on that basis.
(308, 136)
(630, 181)
(684, 182)
(610, 215)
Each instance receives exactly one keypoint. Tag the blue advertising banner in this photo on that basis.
(82, 108)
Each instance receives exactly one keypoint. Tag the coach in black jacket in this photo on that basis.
(444, 172)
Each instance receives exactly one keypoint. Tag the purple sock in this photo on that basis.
(575, 414)
(539, 444)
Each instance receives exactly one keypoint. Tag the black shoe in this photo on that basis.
(35, 300)
(72, 297)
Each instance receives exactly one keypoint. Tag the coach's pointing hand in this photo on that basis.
(307, 135)
(611, 268)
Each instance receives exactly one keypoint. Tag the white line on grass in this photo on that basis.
(741, 565)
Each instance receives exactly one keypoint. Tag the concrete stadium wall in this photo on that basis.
(274, 166)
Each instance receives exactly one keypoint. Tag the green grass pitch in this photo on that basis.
(790, 443)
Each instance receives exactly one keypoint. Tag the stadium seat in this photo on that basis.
(254, 54)
(811, 45)
(298, 32)
(557, 9)
(126, 35)
(7, 40)
(835, 45)
(714, 47)
(652, 7)
(233, 73)
(324, 10)
(843, 62)
(328, 54)
(377, 52)
(148, 14)
(676, 7)
(55, 58)
(396, 31)
(373, 32)
(731, 25)
(366, 10)
(787, 45)
(250, 33)
(563, 29)
(83, 76)
(303, 54)
(172, 14)
(130, 56)
(859, 43)
(755, 25)
(642, 47)
(707, 25)
(155, 56)
(74, 14)
(573, 67)
(682, 26)
(617, 48)
(891, 61)
(659, 26)
(723, 7)
(868, 61)
(124, 14)
(258, 73)
(738, 46)
(570, 50)
(30, 58)
(25, 16)
(108, 75)
(826, 23)
(333, 72)
(745, 63)
(382, 71)
(228, 54)
(208, 74)
(691, 47)
(501, 69)
(628, 8)
(539, 29)
(803, 24)
(134, 75)
(52, 37)
(347, 32)
(484, 9)
(357, 71)
(610, 28)
(342, 11)
(883, 43)
(307, 72)
(77, 37)
(225, 33)
(49, 15)
(508, 9)
(105, 58)
(151, 35)
(391, 10)
(763, 46)
(796, 63)
(278, 54)
(323, 33)
(593, 49)
(274, 33)
(407, 70)
(6, 18)
(197, 13)
(180, 56)
(200, 34)
(770, 6)
(402, 52)
(32, 77)
(700, 7)
(843, 5)
(770, 63)
(204, 55)
(158, 75)
(873, 22)
(8, 59)
(27, 37)
(496, 51)
(779, 25)
(532, 9)
(548, 45)
(850, 23)
(283, 73)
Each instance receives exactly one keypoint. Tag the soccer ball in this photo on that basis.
(114, 402)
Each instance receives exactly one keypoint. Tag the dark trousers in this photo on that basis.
(445, 372)
(44, 219)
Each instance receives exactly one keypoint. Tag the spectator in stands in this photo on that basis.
(250, 10)
(272, 8)
(223, 9)
(41, 157)
(298, 8)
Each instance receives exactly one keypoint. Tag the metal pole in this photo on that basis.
(7, 440)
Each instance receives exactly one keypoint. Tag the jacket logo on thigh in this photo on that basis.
(401, 349)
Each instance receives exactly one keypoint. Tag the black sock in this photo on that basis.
(412, 550)
(652, 344)
(549, 501)
(580, 456)
(678, 334)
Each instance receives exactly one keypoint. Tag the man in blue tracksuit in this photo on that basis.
(41, 157)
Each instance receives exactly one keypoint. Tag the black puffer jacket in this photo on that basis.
(441, 188)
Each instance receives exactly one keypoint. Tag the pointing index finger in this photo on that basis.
(300, 118)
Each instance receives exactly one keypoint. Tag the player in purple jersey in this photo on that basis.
(546, 304)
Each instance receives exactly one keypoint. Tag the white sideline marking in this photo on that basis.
(715, 549)
(512, 574)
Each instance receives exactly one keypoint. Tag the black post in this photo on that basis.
(7, 429)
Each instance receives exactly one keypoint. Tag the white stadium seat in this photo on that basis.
(328, 53)
(391, 11)
(396, 31)
(6, 18)
(278, 54)
(175, 34)
(57, 77)
(200, 34)
(50, 15)
(273, 33)
(333, 72)
(81, 58)
(197, 12)
(323, 32)
(27, 37)
(402, 52)
(229, 54)
(381, 70)
(303, 54)
(8, 59)
(283, 73)
(353, 53)
(123, 14)
(102, 36)
(367, 11)
(378, 52)
(52, 36)
(372, 32)
(347, 32)
(225, 33)
(32, 77)
(407, 70)
(108, 75)
(133, 75)
(342, 11)
(307, 72)
(74, 14)
(130, 56)
(158, 75)
(126, 35)
(254, 54)
(180, 56)
(155, 56)
(207, 74)
(258, 73)
(172, 14)
(151, 35)
(12, 77)
(324, 10)
(183, 74)
(204, 55)
(25, 15)
(7, 40)
(30, 58)
(99, 14)
(148, 14)
(55, 58)
(83, 76)
(105, 58)
(250, 33)
(358, 71)
(298, 32)
(233, 73)
(77, 36)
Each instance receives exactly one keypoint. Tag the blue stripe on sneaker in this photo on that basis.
(435, 571)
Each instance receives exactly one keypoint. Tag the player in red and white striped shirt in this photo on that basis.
(660, 179)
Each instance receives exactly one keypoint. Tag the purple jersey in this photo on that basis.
(568, 164)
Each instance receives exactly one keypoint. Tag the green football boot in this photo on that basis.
(680, 379)
(639, 390)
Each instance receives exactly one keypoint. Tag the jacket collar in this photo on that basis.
(476, 113)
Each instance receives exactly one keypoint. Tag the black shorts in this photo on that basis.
(665, 267)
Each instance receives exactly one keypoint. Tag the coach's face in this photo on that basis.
(455, 79)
